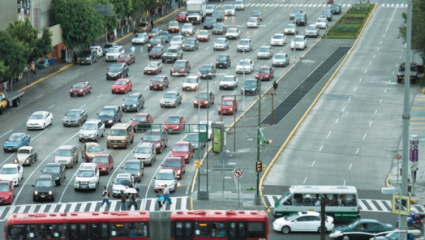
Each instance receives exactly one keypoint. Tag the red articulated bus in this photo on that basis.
(141, 225)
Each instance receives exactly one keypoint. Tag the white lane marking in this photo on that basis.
(196, 55)
(207, 48)
(313, 163)
(376, 111)
(57, 86)
(355, 89)
(365, 71)
(391, 20)
(345, 181)
(364, 137)
(370, 63)
(51, 106)
(349, 98)
(146, 87)
(360, 79)
(132, 76)
(336, 120)
(39, 96)
(305, 180)
(351, 165)
(179, 110)
(370, 124)
(7, 159)
(320, 149)
(6, 133)
(343, 109)
(100, 95)
(83, 106)
(146, 109)
(385, 91)
(211, 112)
(329, 134)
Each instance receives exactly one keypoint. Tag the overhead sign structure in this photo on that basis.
(237, 173)
(404, 207)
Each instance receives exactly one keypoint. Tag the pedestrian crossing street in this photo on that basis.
(309, 5)
(148, 204)
(366, 205)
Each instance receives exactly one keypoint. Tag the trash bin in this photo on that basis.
(51, 61)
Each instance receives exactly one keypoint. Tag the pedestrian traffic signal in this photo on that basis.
(197, 164)
(259, 166)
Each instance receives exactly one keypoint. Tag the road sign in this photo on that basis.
(237, 173)
(404, 207)
(398, 156)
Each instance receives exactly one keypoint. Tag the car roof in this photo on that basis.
(229, 99)
(44, 176)
(92, 144)
(87, 165)
(112, 105)
(66, 147)
(175, 116)
(166, 171)
(173, 159)
(134, 94)
(40, 112)
(181, 60)
(171, 92)
(265, 67)
(124, 175)
(182, 143)
(145, 144)
(133, 161)
(26, 147)
(92, 121)
(54, 164)
(102, 155)
(10, 165)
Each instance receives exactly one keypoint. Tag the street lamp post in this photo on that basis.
(257, 194)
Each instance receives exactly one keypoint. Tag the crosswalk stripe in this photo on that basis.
(32, 208)
(93, 207)
(42, 207)
(152, 205)
(72, 208)
(52, 208)
(113, 205)
(62, 209)
(83, 207)
(183, 203)
(372, 205)
(3, 209)
(21, 209)
(383, 207)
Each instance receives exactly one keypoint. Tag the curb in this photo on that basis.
(309, 109)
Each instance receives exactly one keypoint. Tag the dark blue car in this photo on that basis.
(15, 141)
(207, 71)
(165, 35)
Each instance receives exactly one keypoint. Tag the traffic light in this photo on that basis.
(197, 164)
(259, 166)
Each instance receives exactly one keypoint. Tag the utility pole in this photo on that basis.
(406, 118)
(322, 217)
(257, 194)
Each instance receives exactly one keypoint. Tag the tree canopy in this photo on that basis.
(12, 56)
(110, 22)
(123, 7)
(418, 21)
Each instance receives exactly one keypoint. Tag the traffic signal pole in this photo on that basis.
(257, 194)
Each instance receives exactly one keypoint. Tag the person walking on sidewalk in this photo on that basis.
(63, 54)
(132, 201)
(105, 197)
(159, 198)
(32, 70)
(123, 200)
(275, 87)
(166, 193)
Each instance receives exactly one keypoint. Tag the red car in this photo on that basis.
(141, 118)
(206, 100)
(122, 85)
(159, 82)
(267, 73)
(183, 149)
(174, 124)
(80, 89)
(6, 192)
(177, 164)
(182, 17)
(127, 57)
(159, 139)
(180, 68)
(173, 27)
(104, 162)
(156, 52)
(229, 106)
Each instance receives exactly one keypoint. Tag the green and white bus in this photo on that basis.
(341, 201)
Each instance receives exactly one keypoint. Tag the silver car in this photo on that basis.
(68, 155)
(229, 10)
(210, 9)
(265, 52)
(280, 60)
(177, 41)
(171, 99)
(140, 38)
(245, 65)
(92, 130)
(221, 44)
(290, 29)
(228, 82)
(75, 117)
(278, 39)
(145, 152)
(239, 5)
(232, 33)
(312, 31)
(253, 22)
(187, 29)
(193, 138)
(245, 44)
(99, 51)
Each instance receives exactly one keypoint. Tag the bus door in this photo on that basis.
(98, 231)
(237, 231)
(183, 231)
(78, 231)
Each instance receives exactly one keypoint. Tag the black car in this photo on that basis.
(223, 61)
(207, 71)
(133, 102)
(190, 44)
(57, 171)
(336, 9)
(218, 15)
(301, 19)
(110, 114)
(44, 188)
(220, 29)
(155, 41)
(108, 46)
(327, 14)
(117, 70)
(209, 23)
(250, 87)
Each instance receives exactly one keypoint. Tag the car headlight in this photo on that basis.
(15, 179)
(182, 45)
(92, 181)
(196, 101)
(206, 102)
(70, 90)
(50, 192)
(57, 178)
(110, 121)
(160, 85)
(186, 156)
(6, 197)
(231, 109)
(151, 84)
(158, 145)
(178, 171)
(35, 193)
(123, 105)
(138, 174)
(134, 105)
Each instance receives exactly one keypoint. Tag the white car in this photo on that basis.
(302, 222)
(87, 176)
(244, 44)
(239, 5)
(253, 22)
(245, 65)
(291, 29)
(312, 31)
(120, 183)
(299, 42)
(265, 52)
(203, 35)
(233, 33)
(203, 128)
(114, 53)
(188, 29)
(40, 120)
(280, 60)
(228, 82)
(166, 176)
(191, 83)
(278, 39)
(140, 38)
(322, 23)
(221, 44)
(229, 10)
(177, 41)
(12, 172)
(210, 9)
(98, 50)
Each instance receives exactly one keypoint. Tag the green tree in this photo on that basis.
(110, 22)
(123, 7)
(80, 23)
(28, 36)
(139, 5)
(43, 45)
(418, 21)
(12, 56)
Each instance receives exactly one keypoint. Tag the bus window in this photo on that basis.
(183, 230)
(256, 230)
(78, 231)
(99, 231)
(119, 230)
(232, 231)
(16, 232)
(210, 229)
(188, 230)
(287, 200)
(242, 231)
(138, 229)
(352, 201)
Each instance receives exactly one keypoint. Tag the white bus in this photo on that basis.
(341, 201)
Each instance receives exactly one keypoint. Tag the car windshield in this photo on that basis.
(172, 164)
(299, 39)
(209, 21)
(106, 113)
(43, 183)
(277, 36)
(94, 149)
(190, 80)
(256, 13)
(4, 187)
(311, 28)
(89, 126)
(114, 50)
(203, 32)
(192, 137)
(217, 13)
(250, 84)
(155, 30)
(170, 95)
(78, 85)
(139, 36)
(108, 46)
(321, 20)
(264, 70)
(139, 118)
(227, 103)
(63, 152)
(179, 64)
(291, 26)
(173, 23)
(156, 49)
(73, 114)
(220, 41)
(152, 64)
(291, 217)
(263, 49)
(207, 68)
(117, 132)
(210, 7)
(152, 137)
(280, 57)
(37, 116)
(7, 170)
(85, 173)
(158, 79)
(295, 11)
(189, 41)
(121, 83)
(252, 19)
(49, 169)
(246, 63)
(203, 96)
(115, 67)
(144, 150)
(182, 14)
(176, 39)
(164, 176)
(222, 58)
(300, 17)
(187, 26)
(228, 79)
(120, 180)
(218, 26)
(24, 151)
(131, 99)
(171, 50)
(173, 120)
(100, 160)
(142, 24)
(15, 138)
(125, 55)
(244, 42)
(239, 2)
(229, 7)
(232, 31)
(132, 166)
(412, 67)
(156, 40)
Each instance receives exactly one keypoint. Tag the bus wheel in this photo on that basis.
(287, 230)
